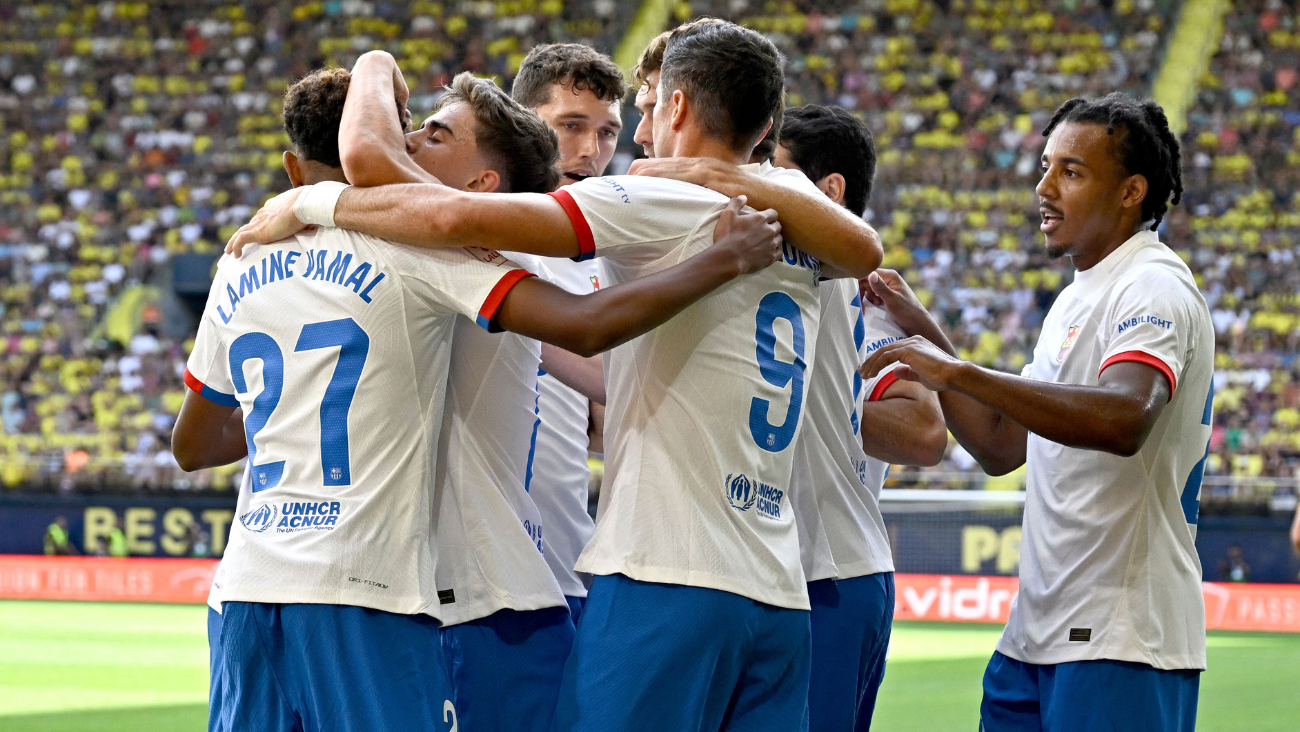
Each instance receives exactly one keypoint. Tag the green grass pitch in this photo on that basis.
(84, 667)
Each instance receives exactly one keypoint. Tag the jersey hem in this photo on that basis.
(1146, 358)
(407, 605)
(586, 242)
(529, 604)
(885, 382)
(1052, 657)
(797, 600)
(850, 571)
(207, 392)
(488, 312)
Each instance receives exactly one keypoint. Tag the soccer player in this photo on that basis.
(1112, 421)
(856, 429)
(329, 618)
(506, 626)
(699, 618)
(579, 93)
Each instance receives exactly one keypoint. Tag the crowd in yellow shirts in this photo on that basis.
(132, 132)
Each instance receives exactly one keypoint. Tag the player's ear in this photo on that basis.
(833, 186)
(1133, 191)
(486, 182)
(292, 166)
(681, 106)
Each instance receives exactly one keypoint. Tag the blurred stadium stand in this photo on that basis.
(136, 136)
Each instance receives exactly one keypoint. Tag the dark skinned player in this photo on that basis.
(1111, 420)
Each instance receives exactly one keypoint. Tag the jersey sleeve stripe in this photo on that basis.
(878, 390)
(1146, 358)
(207, 392)
(586, 242)
(497, 295)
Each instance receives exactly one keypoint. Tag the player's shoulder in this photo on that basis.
(638, 190)
(788, 177)
(1156, 272)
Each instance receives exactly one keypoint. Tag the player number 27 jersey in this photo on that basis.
(335, 345)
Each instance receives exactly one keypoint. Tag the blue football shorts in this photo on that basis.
(312, 668)
(505, 669)
(851, 621)
(652, 656)
(1087, 696)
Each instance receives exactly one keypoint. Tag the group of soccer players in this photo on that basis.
(412, 548)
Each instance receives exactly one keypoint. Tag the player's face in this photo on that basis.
(661, 124)
(646, 98)
(446, 147)
(587, 128)
(1081, 195)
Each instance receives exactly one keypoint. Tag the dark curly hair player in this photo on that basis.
(1111, 421)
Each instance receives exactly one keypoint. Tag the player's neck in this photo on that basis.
(1117, 238)
(703, 147)
(314, 172)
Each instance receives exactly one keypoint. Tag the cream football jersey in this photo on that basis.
(558, 473)
(835, 485)
(489, 532)
(703, 412)
(1108, 563)
(336, 345)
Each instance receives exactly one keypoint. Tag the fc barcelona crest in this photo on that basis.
(1071, 336)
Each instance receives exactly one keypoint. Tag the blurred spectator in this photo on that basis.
(1233, 568)
(117, 540)
(100, 549)
(199, 542)
(57, 541)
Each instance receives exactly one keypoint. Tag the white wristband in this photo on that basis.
(315, 205)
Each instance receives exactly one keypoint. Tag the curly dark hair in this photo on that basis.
(574, 65)
(1146, 145)
(523, 148)
(313, 111)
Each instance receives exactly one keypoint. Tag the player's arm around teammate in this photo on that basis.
(438, 216)
(373, 148)
(804, 219)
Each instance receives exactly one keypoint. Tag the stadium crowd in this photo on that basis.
(134, 132)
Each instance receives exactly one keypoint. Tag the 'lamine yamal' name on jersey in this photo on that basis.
(702, 412)
(336, 345)
(835, 485)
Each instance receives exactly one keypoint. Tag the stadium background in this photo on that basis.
(136, 136)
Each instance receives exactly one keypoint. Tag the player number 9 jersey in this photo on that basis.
(703, 412)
